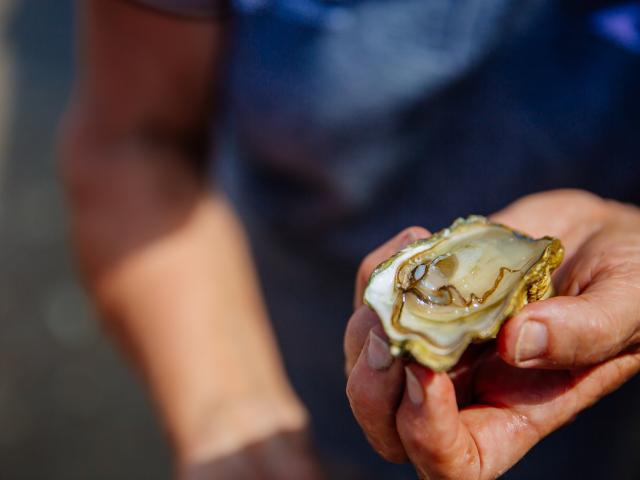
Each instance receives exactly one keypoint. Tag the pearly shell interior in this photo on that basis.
(439, 294)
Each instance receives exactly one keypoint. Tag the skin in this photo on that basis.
(478, 420)
(164, 257)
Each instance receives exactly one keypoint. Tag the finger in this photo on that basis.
(529, 215)
(374, 389)
(483, 441)
(380, 254)
(517, 408)
(569, 332)
(358, 327)
(428, 422)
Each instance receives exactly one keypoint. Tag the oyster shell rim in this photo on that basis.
(536, 284)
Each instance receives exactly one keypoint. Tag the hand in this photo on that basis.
(252, 439)
(552, 360)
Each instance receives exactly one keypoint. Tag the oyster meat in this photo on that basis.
(439, 294)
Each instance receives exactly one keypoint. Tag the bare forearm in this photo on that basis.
(168, 265)
(165, 260)
(187, 309)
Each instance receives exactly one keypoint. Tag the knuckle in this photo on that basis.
(598, 335)
(360, 398)
(412, 441)
(412, 435)
(605, 332)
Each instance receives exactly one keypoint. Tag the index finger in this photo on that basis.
(375, 258)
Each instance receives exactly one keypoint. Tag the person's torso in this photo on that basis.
(354, 119)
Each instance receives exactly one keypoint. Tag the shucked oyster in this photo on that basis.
(439, 294)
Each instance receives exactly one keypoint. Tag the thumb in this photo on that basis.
(568, 332)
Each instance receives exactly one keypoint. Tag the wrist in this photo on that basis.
(231, 425)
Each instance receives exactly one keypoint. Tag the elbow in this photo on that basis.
(107, 164)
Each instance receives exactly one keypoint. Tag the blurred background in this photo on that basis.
(69, 408)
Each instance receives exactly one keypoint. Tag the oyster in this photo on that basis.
(439, 294)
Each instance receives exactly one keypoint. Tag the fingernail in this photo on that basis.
(378, 355)
(532, 341)
(414, 389)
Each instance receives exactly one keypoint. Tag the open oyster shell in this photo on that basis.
(439, 294)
